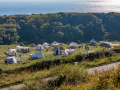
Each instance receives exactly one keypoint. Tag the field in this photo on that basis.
(30, 74)
(25, 56)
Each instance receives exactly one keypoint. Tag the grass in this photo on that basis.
(43, 73)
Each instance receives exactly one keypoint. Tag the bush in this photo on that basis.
(32, 45)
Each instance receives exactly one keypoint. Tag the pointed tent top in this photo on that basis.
(93, 41)
(54, 42)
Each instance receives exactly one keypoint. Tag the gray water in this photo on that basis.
(44, 7)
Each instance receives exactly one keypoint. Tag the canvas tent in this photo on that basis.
(108, 45)
(19, 59)
(11, 52)
(18, 48)
(11, 60)
(39, 54)
(93, 42)
(65, 54)
(73, 45)
(57, 51)
(54, 43)
(39, 47)
(23, 49)
(45, 45)
(69, 49)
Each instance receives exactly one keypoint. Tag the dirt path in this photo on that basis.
(16, 86)
(90, 70)
(103, 67)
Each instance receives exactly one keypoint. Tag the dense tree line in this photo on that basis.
(61, 27)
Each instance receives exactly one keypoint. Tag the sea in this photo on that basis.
(54, 6)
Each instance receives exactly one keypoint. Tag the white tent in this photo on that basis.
(39, 54)
(73, 45)
(69, 49)
(93, 41)
(18, 48)
(45, 45)
(19, 59)
(11, 60)
(39, 47)
(12, 52)
(57, 51)
(54, 43)
(65, 54)
(33, 55)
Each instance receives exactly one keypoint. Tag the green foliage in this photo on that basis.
(61, 27)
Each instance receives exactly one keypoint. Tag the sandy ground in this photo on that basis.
(90, 70)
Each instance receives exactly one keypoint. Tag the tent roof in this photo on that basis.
(12, 50)
(54, 42)
(93, 41)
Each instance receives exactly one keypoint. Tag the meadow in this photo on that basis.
(32, 72)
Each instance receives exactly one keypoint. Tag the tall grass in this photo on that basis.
(62, 74)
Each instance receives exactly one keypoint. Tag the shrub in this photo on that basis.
(32, 45)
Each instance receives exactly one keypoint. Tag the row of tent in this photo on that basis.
(65, 53)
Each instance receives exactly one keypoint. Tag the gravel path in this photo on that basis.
(90, 70)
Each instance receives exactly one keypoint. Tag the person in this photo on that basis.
(20, 55)
(6, 61)
(32, 57)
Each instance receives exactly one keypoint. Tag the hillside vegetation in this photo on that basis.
(62, 27)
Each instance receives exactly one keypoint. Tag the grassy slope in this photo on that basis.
(18, 77)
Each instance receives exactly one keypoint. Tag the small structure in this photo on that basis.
(36, 55)
(39, 54)
(12, 52)
(93, 42)
(76, 63)
(18, 59)
(11, 60)
(108, 45)
(73, 45)
(25, 49)
(45, 45)
(65, 54)
(54, 43)
(18, 48)
(39, 47)
(57, 51)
